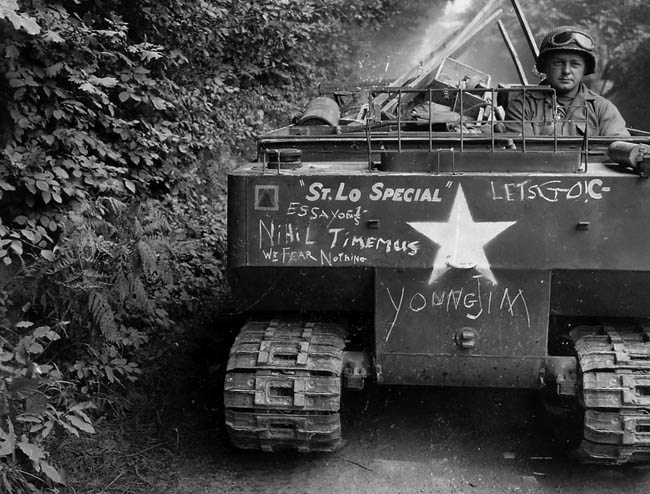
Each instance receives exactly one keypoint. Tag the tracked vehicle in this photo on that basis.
(394, 234)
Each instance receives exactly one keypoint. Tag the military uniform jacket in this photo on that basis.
(599, 114)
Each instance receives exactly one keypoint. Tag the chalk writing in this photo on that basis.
(329, 258)
(341, 238)
(286, 243)
(379, 192)
(317, 213)
(289, 255)
(286, 255)
(472, 302)
(274, 234)
(317, 191)
(550, 190)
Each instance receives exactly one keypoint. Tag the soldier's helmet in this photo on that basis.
(567, 38)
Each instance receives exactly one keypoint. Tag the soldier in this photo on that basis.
(566, 56)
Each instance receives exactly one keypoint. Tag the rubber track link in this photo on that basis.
(283, 386)
(615, 367)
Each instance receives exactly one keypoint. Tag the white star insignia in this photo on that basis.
(461, 239)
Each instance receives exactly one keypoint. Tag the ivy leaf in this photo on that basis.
(148, 55)
(23, 21)
(48, 255)
(53, 336)
(17, 247)
(53, 37)
(53, 70)
(6, 445)
(69, 428)
(29, 235)
(36, 348)
(81, 424)
(32, 451)
(158, 103)
(89, 88)
(8, 7)
(103, 81)
(52, 473)
(41, 331)
(85, 405)
(60, 172)
(6, 186)
(48, 427)
(129, 185)
(41, 185)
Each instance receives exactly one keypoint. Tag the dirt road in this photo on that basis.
(415, 440)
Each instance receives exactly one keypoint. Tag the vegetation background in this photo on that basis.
(119, 121)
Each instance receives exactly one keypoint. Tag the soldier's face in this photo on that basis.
(565, 71)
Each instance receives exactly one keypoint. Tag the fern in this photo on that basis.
(103, 316)
(165, 271)
(216, 174)
(138, 231)
(139, 294)
(122, 287)
(111, 205)
(156, 223)
(148, 259)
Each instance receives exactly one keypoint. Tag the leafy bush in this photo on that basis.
(88, 120)
(87, 130)
(36, 404)
(118, 121)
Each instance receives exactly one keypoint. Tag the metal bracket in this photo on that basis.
(563, 372)
(356, 368)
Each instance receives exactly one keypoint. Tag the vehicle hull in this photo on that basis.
(459, 272)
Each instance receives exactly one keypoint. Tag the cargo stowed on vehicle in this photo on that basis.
(433, 250)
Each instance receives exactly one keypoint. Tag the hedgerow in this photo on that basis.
(118, 122)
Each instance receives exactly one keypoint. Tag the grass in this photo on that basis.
(171, 415)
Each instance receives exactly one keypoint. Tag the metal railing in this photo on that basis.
(488, 125)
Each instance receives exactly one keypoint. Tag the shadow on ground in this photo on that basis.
(399, 440)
